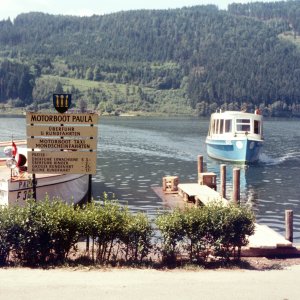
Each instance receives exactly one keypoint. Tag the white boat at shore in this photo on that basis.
(235, 136)
(16, 187)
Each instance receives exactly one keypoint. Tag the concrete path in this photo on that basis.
(67, 284)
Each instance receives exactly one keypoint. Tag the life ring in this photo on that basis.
(21, 160)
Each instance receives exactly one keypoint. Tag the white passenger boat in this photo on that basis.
(16, 184)
(235, 136)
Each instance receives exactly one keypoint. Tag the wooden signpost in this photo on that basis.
(66, 162)
(62, 143)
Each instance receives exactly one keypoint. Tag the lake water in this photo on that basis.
(134, 154)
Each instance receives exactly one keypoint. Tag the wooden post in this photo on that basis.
(223, 180)
(89, 200)
(34, 186)
(200, 163)
(236, 185)
(289, 225)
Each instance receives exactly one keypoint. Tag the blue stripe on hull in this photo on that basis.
(236, 150)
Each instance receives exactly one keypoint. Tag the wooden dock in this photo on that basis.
(264, 242)
(263, 238)
(266, 238)
(199, 193)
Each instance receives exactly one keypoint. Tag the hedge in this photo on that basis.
(201, 232)
(47, 231)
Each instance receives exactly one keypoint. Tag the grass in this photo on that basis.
(289, 36)
(127, 98)
(83, 85)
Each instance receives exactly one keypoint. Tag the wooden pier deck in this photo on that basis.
(263, 239)
(196, 192)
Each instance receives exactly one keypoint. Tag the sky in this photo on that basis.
(12, 8)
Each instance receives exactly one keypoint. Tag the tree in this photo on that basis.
(82, 105)
(97, 74)
(89, 74)
(59, 88)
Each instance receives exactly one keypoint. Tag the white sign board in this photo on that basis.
(44, 118)
(62, 162)
(63, 131)
(70, 144)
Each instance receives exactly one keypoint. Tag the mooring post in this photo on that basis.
(289, 225)
(200, 164)
(236, 185)
(223, 180)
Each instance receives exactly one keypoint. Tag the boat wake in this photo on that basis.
(268, 160)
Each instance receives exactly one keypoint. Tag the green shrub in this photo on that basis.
(232, 227)
(46, 231)
(66, 229)
(6, 229)
(196, 232)
(171, 227)
(104, 224)
(42, 231)
(136, 236)
(214, 230)
(114, 230)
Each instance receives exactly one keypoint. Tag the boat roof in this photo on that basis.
(234, 113)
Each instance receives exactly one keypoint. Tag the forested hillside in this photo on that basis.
(189, 60)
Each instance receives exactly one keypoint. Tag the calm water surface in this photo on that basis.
(135, 153)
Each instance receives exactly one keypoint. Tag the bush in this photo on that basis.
(114, 230)
(232, 225)
(136, 237)
(171, 226)
(6, 229)
(41, 231)
(209, 230)
(104, 224)
(46, 231)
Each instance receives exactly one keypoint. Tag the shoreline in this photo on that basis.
(130, 114)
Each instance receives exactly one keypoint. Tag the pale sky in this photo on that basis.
(11, 8)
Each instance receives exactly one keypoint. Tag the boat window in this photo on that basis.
(256, 127)
(217, 126)
(228, 126)
(243, 125)
(221, 125)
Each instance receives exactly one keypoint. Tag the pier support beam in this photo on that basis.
(236, 186)
(289, 225)
(223, 180)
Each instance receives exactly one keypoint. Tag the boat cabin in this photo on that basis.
(233, 123)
